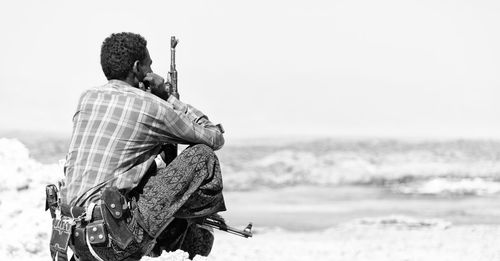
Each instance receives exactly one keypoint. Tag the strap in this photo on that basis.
(60, 256)
(90, 211)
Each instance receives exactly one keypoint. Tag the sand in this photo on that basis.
(358, 242)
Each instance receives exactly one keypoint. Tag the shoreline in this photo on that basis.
(317, 208)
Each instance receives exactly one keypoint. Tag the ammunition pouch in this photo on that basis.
(96, 233)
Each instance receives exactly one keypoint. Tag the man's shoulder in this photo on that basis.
(117, 88)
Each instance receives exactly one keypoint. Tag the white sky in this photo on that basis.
(426, 68)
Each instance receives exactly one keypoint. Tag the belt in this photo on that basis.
(70, 211)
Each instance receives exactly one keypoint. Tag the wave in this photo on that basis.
(365, 166)
(401, 222)
(449, 186)
(390, 221)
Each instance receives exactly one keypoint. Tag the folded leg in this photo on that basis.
(189, 187)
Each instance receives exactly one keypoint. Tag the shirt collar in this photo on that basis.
(119, 82)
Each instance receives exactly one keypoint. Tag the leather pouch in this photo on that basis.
(115, 213)
(61, 233)
(96, 232)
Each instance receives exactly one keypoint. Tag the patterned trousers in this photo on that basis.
(168, 205)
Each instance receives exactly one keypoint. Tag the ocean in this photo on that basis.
(457, 181)
(294, 187)
(451, 168)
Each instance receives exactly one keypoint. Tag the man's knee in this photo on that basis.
(202, 149)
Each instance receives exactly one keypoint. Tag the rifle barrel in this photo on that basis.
(226, 228)
(173, 70)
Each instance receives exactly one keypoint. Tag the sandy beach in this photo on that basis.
(355, 242)
(305, 223)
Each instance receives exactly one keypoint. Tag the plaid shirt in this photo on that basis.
(118, 131)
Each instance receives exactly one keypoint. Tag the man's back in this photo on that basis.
(114, 135)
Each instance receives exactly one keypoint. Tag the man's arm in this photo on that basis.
(182, 123)
(193, 114)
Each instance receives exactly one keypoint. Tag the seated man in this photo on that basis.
(110, 174)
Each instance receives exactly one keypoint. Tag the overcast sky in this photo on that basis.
(426, 68)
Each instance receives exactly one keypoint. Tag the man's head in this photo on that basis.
(124, 56)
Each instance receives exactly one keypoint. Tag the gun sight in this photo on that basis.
(173, 42)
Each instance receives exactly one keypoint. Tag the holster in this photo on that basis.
(115, 215)
(51, 199)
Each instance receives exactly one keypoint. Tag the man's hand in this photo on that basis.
(170, 88)
(157, 85)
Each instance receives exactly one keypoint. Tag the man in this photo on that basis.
(125, 207)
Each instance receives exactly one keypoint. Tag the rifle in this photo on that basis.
(172, 74)
(216, 221)
(170, 150)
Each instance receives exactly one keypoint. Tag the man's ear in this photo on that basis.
(135, 68)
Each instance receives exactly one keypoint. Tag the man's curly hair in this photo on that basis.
(119, 52)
